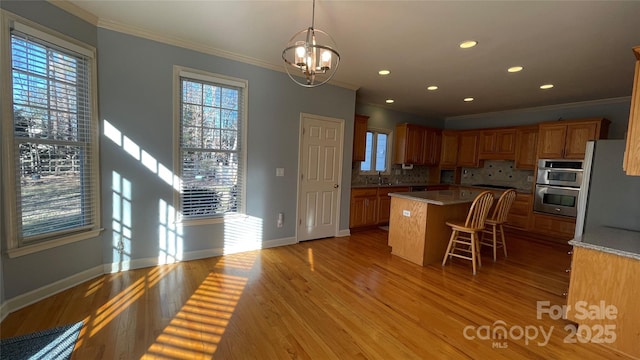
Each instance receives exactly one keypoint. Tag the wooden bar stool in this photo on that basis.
(465, 232)
(495, 221)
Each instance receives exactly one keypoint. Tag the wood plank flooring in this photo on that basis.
(339, 298)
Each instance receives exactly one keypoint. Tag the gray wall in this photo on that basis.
(135, 96)
(616, 110)
(380, 117)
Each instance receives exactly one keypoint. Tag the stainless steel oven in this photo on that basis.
(560, 172)
(556, 200)
(558, 186)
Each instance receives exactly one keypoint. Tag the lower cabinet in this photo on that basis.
(372, 206)
(519, 216)
(560, 227)
(603, 299)
(384, 202)
(364, 207)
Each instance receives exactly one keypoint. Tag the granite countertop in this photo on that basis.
(610, 240)
(439, 197)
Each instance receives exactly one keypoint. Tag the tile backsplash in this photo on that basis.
(498, 172)
(494, 172)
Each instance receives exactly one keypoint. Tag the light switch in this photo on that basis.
(279, 171)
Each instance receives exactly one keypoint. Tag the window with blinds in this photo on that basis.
(212, 119)
(53, 139)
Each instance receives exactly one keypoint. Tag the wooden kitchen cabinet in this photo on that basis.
(632, 153)
(599, 278)
(526, 147)
(558, 227)
(568, 139)
(408, 144)
(519, 216)
(384, 202)
(417, 145)
(498, 144)
(371, 206)
(459, 148)
(364, 207)
(468, 142)
(449, 150)
(431, 143)
(360, 137)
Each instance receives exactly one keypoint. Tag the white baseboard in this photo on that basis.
(344, 232)
(4, 311)
(36, 295)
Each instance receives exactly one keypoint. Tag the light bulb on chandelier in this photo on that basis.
(310, 56)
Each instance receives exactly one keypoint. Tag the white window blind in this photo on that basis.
(211, 148)
(53, 139)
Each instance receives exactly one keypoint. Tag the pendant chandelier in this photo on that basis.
(311, 58)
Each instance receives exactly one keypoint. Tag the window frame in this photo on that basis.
(389, 134)
(180, 72)
(16, 247)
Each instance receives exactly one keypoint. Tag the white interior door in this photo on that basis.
(320, 174)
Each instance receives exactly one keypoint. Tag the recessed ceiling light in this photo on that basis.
(389, 101)
(468, 44)
(469, 99)
(546, 86)
(384, 72)
(514, 69)
(432, 87)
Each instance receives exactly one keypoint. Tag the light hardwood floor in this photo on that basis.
(346, 298)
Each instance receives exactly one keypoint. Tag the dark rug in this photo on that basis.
(56, 343)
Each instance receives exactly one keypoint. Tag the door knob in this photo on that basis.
(336, 186)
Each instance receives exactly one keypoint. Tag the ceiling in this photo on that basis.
(583, 48)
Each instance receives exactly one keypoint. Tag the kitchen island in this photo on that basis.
(604, 278)
(417, 225)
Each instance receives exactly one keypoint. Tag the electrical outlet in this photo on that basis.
(280, 222)
(530, 178)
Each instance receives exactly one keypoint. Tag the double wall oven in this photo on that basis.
(558, 185)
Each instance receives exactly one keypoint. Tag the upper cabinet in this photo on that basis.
(417, 145)
(449, 150)
(459, 148)
(432, 142)
(360, 137)
(468, 142)
(526, 145)
(568, 139)
(499, 144)
(632, 153)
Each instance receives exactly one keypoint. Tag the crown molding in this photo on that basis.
(565, 106)
(75, 10)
